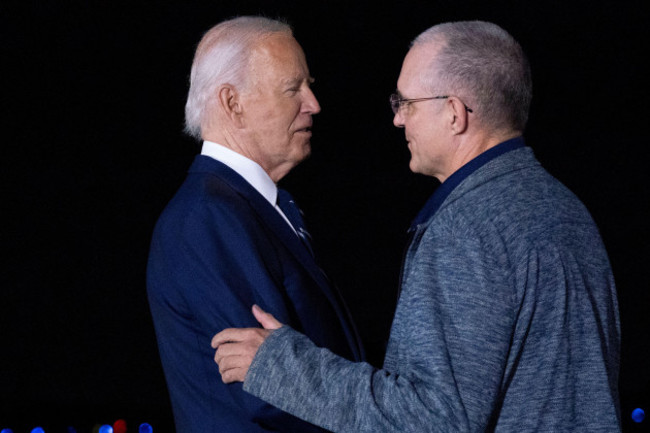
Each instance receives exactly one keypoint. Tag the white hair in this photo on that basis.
(222, 57)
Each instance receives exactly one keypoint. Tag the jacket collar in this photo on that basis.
(463, 178)
(268, 215)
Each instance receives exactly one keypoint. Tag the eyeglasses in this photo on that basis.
(396, 102)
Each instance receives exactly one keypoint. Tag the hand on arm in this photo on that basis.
(236, 347)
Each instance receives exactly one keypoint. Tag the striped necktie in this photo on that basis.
(288, 206)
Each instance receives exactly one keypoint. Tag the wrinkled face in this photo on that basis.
(278, 106)
(423, 121)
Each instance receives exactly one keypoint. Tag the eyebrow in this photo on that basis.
(298, 80)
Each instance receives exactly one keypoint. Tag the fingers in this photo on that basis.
(221, 337)
(233, 363)
(266, 319)
(232, 368)
(233, 375)
(236, 349)
(232, 335)
(239, 334)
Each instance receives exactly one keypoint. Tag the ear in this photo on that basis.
(458, 115)
(230, 103)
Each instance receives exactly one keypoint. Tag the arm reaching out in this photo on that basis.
(236, 347)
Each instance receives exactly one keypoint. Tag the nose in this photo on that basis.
(398, 120)
(310, 103)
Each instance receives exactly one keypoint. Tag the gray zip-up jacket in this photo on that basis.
(507, 321)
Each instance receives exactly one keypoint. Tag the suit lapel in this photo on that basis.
(269, 216)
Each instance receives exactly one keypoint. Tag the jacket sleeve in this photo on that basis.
(204, 276)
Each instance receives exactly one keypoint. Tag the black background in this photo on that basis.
(92, 150)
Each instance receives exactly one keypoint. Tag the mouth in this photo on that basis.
(304, 130)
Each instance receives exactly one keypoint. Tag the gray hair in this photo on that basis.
(222, 57)
(482, 64)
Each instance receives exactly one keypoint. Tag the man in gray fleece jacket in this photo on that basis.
(507, 319)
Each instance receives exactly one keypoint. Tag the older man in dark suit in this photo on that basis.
(230, 238)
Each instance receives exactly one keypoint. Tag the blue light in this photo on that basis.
(38, 430)
(106, 429)
(638, 415)
(145, 428)
(6, 430)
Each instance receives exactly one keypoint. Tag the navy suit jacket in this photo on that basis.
(218, 248)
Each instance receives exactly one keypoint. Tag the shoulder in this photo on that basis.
(507, 214)
(208, 207)
(525, 196)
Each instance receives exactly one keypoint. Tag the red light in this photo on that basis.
(119, 426)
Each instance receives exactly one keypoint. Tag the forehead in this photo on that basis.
(416, 64)
(279, 58)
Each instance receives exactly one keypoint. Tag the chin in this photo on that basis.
(306, 151)
(413, 166)
(298, 158)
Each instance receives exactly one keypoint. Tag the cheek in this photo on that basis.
(282, 126)
(413, 132)
(424, 132)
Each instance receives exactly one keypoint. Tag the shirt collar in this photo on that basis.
(442, 192)
(251, 171)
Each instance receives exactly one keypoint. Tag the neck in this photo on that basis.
(239, 143)
(469, 147)
(227, 139)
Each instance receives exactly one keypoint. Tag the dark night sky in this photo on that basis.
(93, 96)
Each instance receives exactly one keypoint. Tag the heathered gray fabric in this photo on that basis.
(507, 322)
